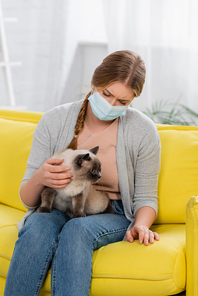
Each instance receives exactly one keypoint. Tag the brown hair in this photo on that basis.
(121, 66)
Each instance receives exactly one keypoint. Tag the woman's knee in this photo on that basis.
(77, 230)
(42, 226)
(97, 230)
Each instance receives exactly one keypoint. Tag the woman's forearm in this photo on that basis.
(31, 190)
(145, 216)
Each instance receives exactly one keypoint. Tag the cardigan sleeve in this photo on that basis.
(41, 150)
(42, 145)
(142, 151)
(146, 173)
(138, 159)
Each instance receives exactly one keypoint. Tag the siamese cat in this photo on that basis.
(79, 198)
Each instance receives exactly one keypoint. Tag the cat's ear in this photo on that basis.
(86, 157)
(94, 150)
(83, 157)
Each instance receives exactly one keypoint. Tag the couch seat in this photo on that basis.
(162, 266)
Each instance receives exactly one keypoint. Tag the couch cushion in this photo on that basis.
(18, 115)
(9, 216)
(159, 269)
(16, 139)
(8, 235)
(179, 171)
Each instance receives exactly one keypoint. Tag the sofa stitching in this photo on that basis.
(4, 256)
(125, 277)
(11, 225)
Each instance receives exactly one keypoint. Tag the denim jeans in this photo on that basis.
(64, 244)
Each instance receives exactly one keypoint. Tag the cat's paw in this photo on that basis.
(43, 210)
(79, 214)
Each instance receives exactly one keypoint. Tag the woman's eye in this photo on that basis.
(109, 95)
(106, 94)
(122, 103)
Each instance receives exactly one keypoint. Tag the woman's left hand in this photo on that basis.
(143, 233)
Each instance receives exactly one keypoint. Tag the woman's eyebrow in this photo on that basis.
(109, 92)
(123, 100)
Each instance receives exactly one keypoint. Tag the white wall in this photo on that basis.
(87, 57)
(59, 44)
(32, 40)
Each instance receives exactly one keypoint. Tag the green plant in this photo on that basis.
(174, 113)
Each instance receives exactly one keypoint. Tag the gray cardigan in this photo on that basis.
(138, 154)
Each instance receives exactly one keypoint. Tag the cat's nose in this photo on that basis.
(99, 175)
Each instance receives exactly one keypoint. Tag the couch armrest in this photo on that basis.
(192, 246)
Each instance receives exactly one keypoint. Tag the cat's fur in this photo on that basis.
(79, 198)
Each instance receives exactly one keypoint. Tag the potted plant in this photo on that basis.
(173, 113)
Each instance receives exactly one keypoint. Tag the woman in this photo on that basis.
(130, 156)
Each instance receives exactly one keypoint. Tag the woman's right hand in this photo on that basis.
(50, 174)
(53, 175)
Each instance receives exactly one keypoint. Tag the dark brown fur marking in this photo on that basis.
(78, 202)
(47, 198)
(109, 209)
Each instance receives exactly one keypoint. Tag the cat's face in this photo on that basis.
(87, 166)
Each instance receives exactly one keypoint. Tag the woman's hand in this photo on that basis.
(53, 175)
(142, 233)
(50, 174)
(144, 218)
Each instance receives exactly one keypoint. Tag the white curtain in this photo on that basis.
(37, 41)
(48, 40)
(165, 34)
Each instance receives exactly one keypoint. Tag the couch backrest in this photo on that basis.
(16, 134)
(178, 179)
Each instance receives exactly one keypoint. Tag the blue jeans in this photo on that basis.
(55, 240)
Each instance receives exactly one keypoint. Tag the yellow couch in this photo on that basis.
(168, 267)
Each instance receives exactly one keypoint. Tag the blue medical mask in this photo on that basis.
(103, 110)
